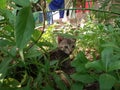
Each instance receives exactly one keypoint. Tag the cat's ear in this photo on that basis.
(60, 39)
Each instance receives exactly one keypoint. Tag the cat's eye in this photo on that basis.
(66, 46)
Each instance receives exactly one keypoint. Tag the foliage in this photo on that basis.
(21, 45)
(104, 71)
(109, 9)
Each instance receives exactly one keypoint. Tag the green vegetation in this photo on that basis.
(21, 44)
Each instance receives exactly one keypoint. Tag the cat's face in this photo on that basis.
(67, 45)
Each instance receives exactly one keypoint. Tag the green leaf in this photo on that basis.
(35, 53)
(40, 44)
(36, 34)
(4, 67)
(107, 54)
(13, 51)
(79, 62)
(23, 3)
(77, 86)
(8, 15)
(95, 64)
(80, 58)
(3, 4)
(47, 88)
(112, 45)
(4, 43)
(81, 68)
(114, 66)
(84, 78)
(24, 27)
(106, 81)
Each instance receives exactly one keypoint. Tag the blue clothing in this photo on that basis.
(57, 4)
(49, 17)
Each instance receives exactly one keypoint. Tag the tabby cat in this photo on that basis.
(65, 48)
(62, 52)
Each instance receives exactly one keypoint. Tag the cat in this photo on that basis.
(62, 52)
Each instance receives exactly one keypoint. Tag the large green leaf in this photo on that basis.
(79, 62)
(23, 3)
(24, 27)
(114, 66)
(107, 54)
(112, 45)
(3, 4)
(106, 81)
(95, 64)
(4, 43)
(80, 58)
(33, 53)
(4, 67)
(76, 86)
(81, 68)
(84, 78)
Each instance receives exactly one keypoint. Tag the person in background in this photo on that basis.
(57, 4)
